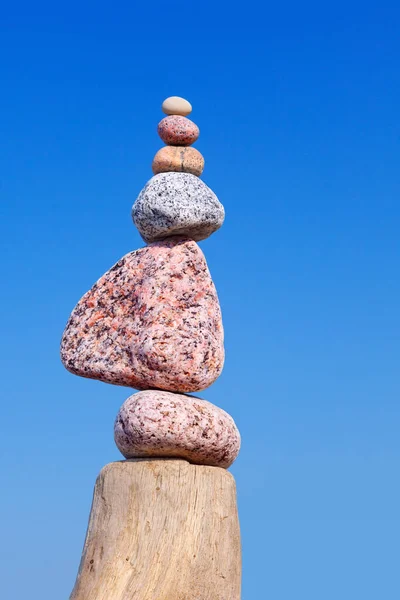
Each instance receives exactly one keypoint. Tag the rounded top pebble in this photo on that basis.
(174, 105)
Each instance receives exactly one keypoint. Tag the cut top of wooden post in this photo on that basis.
(161, 530)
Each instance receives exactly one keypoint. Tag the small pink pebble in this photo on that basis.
(178, 131)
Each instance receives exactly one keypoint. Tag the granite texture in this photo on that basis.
(164, 425)
(177, 204)
(178, 131)
(152, 321)
(178, 159)
(175, 105)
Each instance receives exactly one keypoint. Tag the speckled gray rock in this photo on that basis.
(165, 425)
(177, 204)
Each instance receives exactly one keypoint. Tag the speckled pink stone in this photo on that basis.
(152, 321)
(178, 131)
(164, 425)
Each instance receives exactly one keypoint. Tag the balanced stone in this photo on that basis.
(178, 158)
(175, 105)
(177, 204)
(152, 321)
(164, 425)
(178, 131)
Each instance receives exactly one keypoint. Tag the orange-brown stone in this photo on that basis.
(179, 159)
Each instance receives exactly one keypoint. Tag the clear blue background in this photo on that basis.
(298, 106)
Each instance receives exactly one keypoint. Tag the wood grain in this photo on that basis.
(161, 530)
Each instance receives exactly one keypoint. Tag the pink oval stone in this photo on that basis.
(152, 321)
(178, 131)
(164, 425)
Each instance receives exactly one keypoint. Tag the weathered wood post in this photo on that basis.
(164, 523)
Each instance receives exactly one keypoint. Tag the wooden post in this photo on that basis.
(161, 530)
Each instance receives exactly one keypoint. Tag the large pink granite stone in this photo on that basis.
(152, 321)
(163, 425)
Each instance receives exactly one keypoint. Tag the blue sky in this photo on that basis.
(298, 106)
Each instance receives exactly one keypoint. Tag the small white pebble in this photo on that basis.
(174, 105)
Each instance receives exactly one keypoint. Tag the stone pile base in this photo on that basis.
(161, 530)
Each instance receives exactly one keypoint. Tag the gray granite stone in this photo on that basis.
(177, 204)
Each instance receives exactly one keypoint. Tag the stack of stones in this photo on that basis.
(153, 321)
